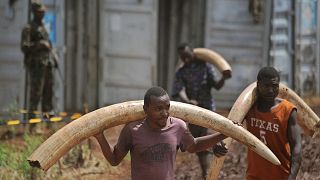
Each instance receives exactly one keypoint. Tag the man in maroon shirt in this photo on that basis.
(153, 142)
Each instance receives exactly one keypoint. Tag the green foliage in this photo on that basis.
(14, 157)
(4, 155)
(79, 160)
(32, 142)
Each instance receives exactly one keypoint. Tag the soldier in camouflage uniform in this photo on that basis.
(36, 46)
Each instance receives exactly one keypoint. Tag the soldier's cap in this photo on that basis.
(35, 6)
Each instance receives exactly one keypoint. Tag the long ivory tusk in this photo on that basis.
(215, 59)
(94, 122)
(237, 113)
(307, 119)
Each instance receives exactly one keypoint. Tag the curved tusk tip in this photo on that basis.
(227, 74)
(274, 159)
(278, 163)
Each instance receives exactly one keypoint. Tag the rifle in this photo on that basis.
(55, 58)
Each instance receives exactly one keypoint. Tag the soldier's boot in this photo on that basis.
(32, 128)
(47, 116)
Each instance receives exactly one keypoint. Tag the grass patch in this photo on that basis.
(79, 161)
(4, 155)
(13, 156)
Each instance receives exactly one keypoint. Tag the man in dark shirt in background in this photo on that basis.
(193, 83)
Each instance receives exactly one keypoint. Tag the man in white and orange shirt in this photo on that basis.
(274, 122)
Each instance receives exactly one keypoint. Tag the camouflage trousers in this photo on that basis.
(41, 88)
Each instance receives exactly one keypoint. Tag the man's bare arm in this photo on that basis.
(294, 138)
(204, 142)
(112, 154)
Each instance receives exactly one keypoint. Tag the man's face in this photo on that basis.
(268, 89)
(186, 55)
(39, 14)
(158, 111)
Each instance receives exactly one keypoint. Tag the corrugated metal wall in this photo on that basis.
(128, 49)
(179, 21)
(282, 45)
(231, 31)
(12, 20)
(307, 40)
(81, 80)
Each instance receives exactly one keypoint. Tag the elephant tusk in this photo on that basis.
(237, 113)
(307, 119)
(214, 58)
(94, 122)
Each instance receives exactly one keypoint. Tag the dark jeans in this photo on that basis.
(203, 156)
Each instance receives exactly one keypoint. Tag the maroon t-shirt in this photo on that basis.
(153, 152)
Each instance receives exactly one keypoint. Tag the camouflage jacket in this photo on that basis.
(32, 38)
